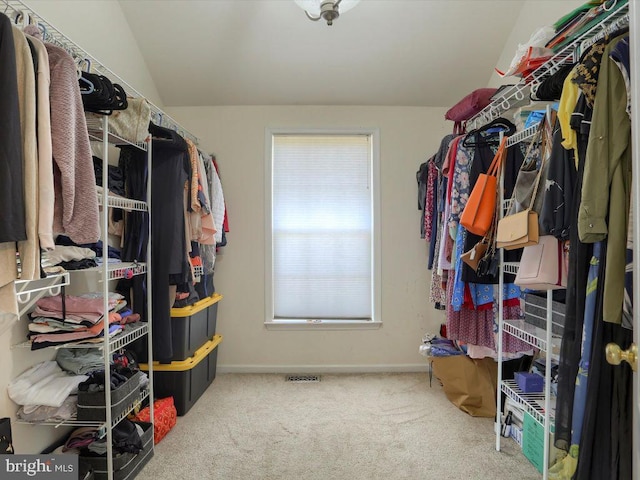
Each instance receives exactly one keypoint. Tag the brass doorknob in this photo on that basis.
(615, 355)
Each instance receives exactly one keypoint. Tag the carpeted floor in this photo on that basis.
(351, 427)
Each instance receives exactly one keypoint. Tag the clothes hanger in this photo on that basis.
(43, 29)
(501, 124)
(157, 129)
(22, 19)
(86, 85)
(83, 65)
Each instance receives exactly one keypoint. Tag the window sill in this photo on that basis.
(322, 325)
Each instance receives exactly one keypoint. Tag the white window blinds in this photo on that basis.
(322, 227)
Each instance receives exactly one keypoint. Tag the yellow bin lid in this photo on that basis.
(189, 363)
(196, 307)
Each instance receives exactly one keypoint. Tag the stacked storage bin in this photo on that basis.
(193, 366)
(92, 405)
(125, 465)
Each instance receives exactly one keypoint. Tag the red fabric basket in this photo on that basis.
(164, 415)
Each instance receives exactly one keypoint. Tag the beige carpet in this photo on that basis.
(352, 427)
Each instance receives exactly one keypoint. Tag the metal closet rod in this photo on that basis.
(523, 135)
(19, 12)
(606, 30)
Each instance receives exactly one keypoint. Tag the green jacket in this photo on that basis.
(606, 190)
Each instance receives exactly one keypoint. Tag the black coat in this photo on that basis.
(171, 169)
(12, 208)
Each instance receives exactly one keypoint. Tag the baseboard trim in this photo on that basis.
(314, 369)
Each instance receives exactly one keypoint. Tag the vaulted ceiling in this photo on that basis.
(266, 52)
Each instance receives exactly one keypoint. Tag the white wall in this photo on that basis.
(91, 25)
(236, 135)
(534, 14)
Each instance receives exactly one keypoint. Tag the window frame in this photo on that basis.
(305, 324)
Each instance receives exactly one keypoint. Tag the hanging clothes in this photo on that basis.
(620, 55)
(606, 443)
(429, 200)
(29, 248)
(470, 326)
(471, 308)
(579, 255)
(205, 287)
(582, 378)
(431, 215)
(437, 293)
(555, 217)
(606, 192)
(12, 216)
(225, 222)
(604, 212)
(422, 177)
(216, 196)
(600, 214)
(171, 170)
(461, 187)
(201, 223)
(566, 107)
(446, 242)
(46, 195)
(76, 202)
(485, 146)
(133, 163)
(12, 194)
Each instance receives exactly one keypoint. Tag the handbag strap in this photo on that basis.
(490, 236)
(539, 136)
(544, 156)
(536, 138)
(542, 131)
(560, 262)
(496, 164)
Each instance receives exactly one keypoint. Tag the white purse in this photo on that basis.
(543, 266)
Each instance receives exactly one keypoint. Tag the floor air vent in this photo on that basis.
(303, 378)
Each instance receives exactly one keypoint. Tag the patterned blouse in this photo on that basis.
(461, 185)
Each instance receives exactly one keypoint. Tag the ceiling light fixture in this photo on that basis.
(328, 10)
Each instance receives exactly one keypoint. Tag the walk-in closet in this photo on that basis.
(311, 239)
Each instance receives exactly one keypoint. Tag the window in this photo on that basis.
(321, 241)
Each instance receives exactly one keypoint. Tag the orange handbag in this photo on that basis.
(481, 207)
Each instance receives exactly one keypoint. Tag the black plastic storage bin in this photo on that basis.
(535, 313)
(91, 406)
(127, 465)
(192, 326)
(186, 380)
(120, 460)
